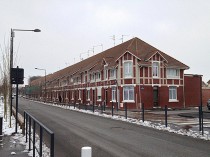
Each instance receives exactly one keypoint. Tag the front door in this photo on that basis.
(155, 96)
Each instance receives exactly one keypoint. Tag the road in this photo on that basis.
(110, 138)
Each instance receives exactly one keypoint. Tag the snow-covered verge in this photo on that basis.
(19, 137)
(159, 126)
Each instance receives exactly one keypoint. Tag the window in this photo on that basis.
(113, 93)
(105, 72)
(128, 69)
(92, 77)
(78, 79)
(172, 93)
(155, 69)
(72, 95)
(128, 93)
(98, 76)
(113, 73)
(79, 95)
(99, 93)
(83, 78)
(172, 73)
(88, 95)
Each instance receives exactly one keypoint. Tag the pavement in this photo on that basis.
(176, 118)
(11, 147)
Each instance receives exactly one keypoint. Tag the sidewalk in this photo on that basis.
(12, 147)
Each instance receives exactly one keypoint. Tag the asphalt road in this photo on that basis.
(110, 138)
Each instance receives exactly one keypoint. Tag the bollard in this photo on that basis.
(86, 152)
(93, 108)
(104, 106)
(112, 108)
(101, 108)
(143, 112)
(199, 112)
(126, 113)
(1, 133)
(166, 116)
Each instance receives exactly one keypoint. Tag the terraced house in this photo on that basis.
(133, 72)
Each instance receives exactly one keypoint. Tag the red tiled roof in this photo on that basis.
(135, 46)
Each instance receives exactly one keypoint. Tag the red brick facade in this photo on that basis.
(133, 73)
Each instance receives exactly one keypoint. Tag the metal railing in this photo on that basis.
(28, 120)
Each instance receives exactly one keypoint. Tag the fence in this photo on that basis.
(28, 120)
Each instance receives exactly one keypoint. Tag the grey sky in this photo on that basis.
(179, 28)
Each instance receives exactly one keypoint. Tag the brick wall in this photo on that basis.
(192, 90)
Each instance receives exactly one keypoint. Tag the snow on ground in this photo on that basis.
(19, 137)
(159, 126)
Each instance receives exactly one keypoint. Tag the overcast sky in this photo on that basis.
(180, 28)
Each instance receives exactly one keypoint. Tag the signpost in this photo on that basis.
(17, 76)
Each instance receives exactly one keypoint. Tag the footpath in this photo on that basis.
(11, 147)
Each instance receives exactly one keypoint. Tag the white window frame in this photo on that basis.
(113, 73)
(99, 94)
(79, 95)
(106, 75)
(92, 77)
(128, 69)
(79, 79)
(113, 93)
(130, 89)
(173, 73)
(172, 94)
(98, 76)
(72, 95)
(88, 94)
(156, 70)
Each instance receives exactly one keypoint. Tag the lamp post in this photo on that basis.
(45, 83)
(11, 60)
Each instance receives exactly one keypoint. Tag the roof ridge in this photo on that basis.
(131, 42)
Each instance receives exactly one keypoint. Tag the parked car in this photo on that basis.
(208, 104)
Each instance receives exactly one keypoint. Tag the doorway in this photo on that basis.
(155, 96)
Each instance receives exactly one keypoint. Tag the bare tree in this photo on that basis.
(5, 76)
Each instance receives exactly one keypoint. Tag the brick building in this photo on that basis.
(133, 72)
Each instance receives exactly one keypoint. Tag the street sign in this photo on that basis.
(17, 76)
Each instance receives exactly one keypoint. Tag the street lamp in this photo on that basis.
(45, 82)
(11, 59)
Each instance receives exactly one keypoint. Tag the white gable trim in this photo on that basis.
(155, 54)
(125, 53)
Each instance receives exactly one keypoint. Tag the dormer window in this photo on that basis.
(128, 69)
(155, 69)
(93, 77)
(98, 76)
(113, 73)
(105, 72)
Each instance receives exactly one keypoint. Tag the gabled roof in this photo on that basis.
(142, 50)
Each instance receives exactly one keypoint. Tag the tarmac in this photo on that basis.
(10, 147)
